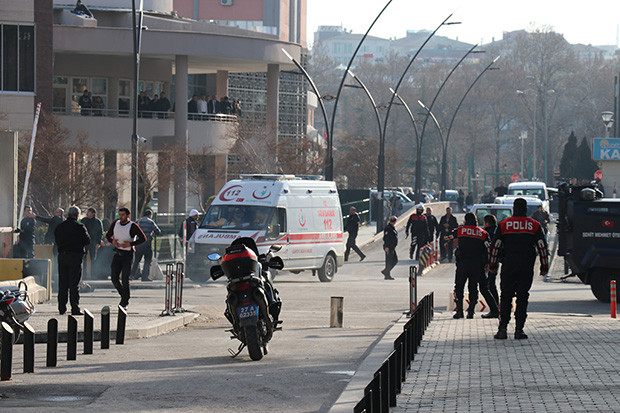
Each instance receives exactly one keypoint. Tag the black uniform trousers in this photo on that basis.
(472, 271)
(145, 251)
(493, 286)
(352, 246)
(516, 279)
(69, 276)
(391, 259)
(121, 266)
(416, 246)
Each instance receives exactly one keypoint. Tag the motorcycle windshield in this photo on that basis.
(238, 217)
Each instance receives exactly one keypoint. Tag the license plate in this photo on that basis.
(248, 311)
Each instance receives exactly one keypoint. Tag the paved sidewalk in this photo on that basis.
(567, 364)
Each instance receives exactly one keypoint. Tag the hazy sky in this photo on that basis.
(588, 22)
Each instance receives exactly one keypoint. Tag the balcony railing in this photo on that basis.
(124, 113)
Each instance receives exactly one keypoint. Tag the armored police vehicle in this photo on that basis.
(589, 236)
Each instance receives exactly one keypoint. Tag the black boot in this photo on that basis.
(520, 335)
(502, 333)
(491, 315)
(458, 314)
(459, 309)
(470, 315)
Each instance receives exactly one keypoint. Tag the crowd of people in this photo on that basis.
(159, 106)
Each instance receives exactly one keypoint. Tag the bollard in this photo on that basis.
(105, 327)
(6, 359)
(385, 386)
(72, 328)
(52, 342)
(413, 292)
(335, 319)
(89, 332)
(178, 289)
(374, 388)
(612, 296)
(168, 293)
(120, 325)
(394, 375)
(28, 348)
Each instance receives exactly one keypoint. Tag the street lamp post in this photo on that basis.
(137, 40)
(444, 163)
(608, 120)
(418, 163)
(329, 170)
(381, 165)
(522, 138)
(522, 93)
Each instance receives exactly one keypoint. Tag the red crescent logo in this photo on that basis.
(264, 194)
(230, 193)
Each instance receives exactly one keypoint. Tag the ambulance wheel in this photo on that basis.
(327, 271)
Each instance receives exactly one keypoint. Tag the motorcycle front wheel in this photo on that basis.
(253, 342)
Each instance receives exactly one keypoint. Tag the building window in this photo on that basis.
(17, 57)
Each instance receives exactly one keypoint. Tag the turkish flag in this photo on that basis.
(608, 224)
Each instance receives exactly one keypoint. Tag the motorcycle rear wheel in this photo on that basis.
(253, 342)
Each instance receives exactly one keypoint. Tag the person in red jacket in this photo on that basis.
(471, 258)
(516, 240)
(417, 225)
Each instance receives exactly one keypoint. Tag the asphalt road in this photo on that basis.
(308, 366)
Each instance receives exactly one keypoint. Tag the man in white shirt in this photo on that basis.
(202, 105)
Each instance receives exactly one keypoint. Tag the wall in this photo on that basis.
(611, 175)
(8, 179)
(17, 11)
(240, 10)
(19, 109)
(163, 6)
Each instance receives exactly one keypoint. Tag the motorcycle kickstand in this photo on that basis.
(239, 350)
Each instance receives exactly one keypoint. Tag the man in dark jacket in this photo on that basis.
(94, 226)
(352, 227)
(471, 258)
(190, 225)
(542, 217)
(192, 108)
(71, 237)
(25, 244)
(432, 223)
(418, 227)
(447, 225)
(490, 225)
(52, 223)
(516, 241)
(150, 228)
(163, 106)
(86, 103)
(390, 241)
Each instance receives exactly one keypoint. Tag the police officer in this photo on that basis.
(353, 226)
(390, 241)
(25, 245)
(471, 257)
(418, 226)
(518, 238)
(150, 228)
(71, 237)
(94, 226)
(490, 225)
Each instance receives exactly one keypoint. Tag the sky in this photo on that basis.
(594, 22)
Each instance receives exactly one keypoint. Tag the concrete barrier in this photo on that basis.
(13, 270)
(37, 293)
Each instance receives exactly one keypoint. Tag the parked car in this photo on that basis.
(451, 195)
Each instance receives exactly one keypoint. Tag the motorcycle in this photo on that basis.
(15, 308)
(252, 304)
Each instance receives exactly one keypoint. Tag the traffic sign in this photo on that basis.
(514, 177)
(598, 174)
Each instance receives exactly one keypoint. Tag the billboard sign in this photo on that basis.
(606, 149)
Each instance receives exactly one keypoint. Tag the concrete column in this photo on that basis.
(163, 181)
(180, 134)
(273, 103)
(112, 94)
(110, 179)
(8, 179)
(221, 83)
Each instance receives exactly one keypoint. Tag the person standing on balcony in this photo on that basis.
(212, 105)
(98, 106)
(192, 108)
(202, 106)
(164, 106)
(143, 104)
(86, 103)
(154, 106)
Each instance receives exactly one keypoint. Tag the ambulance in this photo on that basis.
(300, 213)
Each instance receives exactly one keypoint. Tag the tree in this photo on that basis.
(584, 165)
(567, 164)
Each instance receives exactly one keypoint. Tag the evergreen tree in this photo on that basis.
(584, 165)
(567, 164)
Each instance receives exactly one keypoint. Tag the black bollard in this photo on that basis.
(52, 342)
(120, 325)
(105, 327)
(6, 361)
(28, 348)
(385, 386)
(72, 328)
(394, 378)
(89, 332)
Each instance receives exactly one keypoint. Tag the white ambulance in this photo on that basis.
(301, 214)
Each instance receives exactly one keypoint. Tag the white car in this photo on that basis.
(533, 188)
